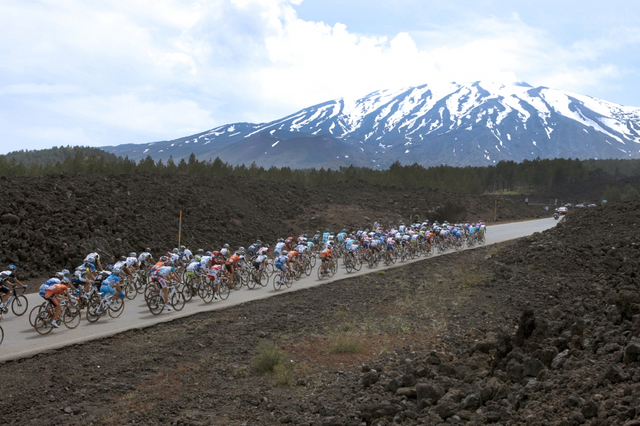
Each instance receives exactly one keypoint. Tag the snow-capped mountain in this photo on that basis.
(455, 124)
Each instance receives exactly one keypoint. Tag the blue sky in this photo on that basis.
(74, 72)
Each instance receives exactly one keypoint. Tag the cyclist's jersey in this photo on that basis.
(325, 237)
(279, 247)
(302, 239)
(213, 272)
(301, 248)
(173, 258)
(316, 238)
(374, 242)
(293, 255)
(157, 266)
(353, 247)
(263, 251)
(326, 253)
(253, 248)
(111, 280)
(261, 258)
(131, 261)
(117, 268)
(55, 289)
(144, 256)
(92, 257)
(391, 241)
(232, 260)
(187, 255)
(100, 277)
(401, 228)
(163, 272)
(341, 237)
(281, 260)
(194, 266)
(205, 261)
(8, 275)
(48, 285)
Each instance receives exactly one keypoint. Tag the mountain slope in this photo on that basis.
(455, 124)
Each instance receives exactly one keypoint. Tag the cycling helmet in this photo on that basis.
(60, 275)
(198, 258)
(284, 252)
(65, 272)
(109, 267)
(208, 253)
(183, 247)
(259, 242)
(13, 267)
(305, 235)
(164, 259)
(200, 251)
(226, 246)
(266, 245)
(241, 249)
(148, 250)
(123, 258)
(326, 230)
(175, 250)
(132, 254)
(281, 240)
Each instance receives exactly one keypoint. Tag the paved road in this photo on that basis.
(21, 340)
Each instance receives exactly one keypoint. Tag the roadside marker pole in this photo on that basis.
(180, 229)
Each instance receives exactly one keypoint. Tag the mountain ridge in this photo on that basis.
(454, 124)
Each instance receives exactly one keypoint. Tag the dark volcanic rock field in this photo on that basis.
(51, 222)
(544, 330)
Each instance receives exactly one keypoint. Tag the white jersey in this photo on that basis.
(144, 256)
(91, 258)
(279, 247)
(131, 261)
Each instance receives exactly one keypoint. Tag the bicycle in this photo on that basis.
(279, 280)
(1, 334)
(19, 303)
(105, 305)
(71, 315)
(327, 268)
(156, 303)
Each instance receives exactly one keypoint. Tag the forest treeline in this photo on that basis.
(506, 176)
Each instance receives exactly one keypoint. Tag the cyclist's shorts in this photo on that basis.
(4, 289)
(257, 265)
(281, 266)
(389, 247)
(192, 274)
(160, 280)
(107, 289)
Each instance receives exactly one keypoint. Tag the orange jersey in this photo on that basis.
(293, 254)
(55, 289)
(325, 253)
(232, 260)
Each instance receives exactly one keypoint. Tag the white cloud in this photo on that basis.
(162, 69)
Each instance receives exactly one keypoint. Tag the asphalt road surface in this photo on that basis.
(21, 340)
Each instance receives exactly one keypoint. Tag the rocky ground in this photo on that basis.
(539, 331)
(51, 222)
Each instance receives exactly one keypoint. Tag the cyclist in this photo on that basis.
(282, 263)
(131, 264)
(160, 275)
(259, 263)
(187, 255)
(325, 257)
(83, 275)
(391, 242)
(107, 284)
(49, 291)
(352, 248)
(225, 251)
(93, 258)
(194, 269)
(279, 247)
(253, 248)
(145, 259)
(8, 279)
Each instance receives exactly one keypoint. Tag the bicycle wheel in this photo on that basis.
(93, 310)
(116, 308)
(224, 289)
(277, 283)
(347, 264)
(237, 281)
(34, 314)
(321, 272)
(140, 282)
(358, 263)
(155, 303)
(1, 335)
(190, 289)
(308, 267)
(176, 300)
(334, 267)
(130, 291)
(72, 316)
(19, 305)
(288, 280)
(42, 323)
(206, 292)
(253, 279)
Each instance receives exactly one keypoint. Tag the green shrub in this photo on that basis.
(269, 357)
(347, 344)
